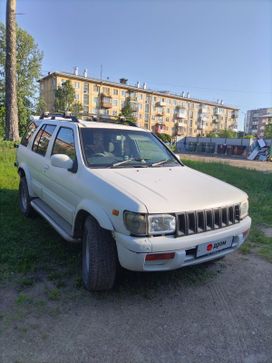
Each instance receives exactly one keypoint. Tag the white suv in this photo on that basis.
(127, 197)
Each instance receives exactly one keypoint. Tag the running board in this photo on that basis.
(57, 222)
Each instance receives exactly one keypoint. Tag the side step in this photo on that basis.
(57, 222)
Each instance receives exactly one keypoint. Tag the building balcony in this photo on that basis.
(160, 104)
(203, 109)
(180, 113)
(218, 112)
(106, 101)
(160, 112)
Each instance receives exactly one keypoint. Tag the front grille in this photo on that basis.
(206, 220)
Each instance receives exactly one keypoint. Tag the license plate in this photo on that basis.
(213, 247)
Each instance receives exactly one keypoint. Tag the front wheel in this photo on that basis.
(24, 199)
(99, 257)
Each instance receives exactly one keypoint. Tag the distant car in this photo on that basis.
(127, 197)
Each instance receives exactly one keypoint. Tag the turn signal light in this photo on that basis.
(160, 256)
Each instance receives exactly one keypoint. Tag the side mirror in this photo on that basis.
(62, 161)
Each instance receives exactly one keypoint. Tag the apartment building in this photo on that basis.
(178, 115)
(256, 120)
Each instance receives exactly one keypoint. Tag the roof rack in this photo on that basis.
(54, 116)
(120, 121)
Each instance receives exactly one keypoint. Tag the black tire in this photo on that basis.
(99, 257)
(24, 199)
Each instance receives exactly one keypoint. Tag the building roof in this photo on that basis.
(137, 89)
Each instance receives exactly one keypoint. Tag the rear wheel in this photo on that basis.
(99, 257)
(24, 199)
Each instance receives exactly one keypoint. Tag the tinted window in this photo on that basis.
(29, 132)
(64, 143)
(42, 139)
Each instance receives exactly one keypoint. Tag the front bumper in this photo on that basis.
(133, 250)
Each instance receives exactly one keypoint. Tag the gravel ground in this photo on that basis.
(265, 166)
(220, 312)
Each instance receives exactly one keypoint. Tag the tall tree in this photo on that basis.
(28, 67)
(11, 117)
(64, 97)
(128, 111)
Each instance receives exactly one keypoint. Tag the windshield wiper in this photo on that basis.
(164, 161)
(123, 162)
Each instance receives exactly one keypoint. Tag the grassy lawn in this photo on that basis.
(33, 246)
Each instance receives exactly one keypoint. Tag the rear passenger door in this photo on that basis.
(61, 185)
(37, 162)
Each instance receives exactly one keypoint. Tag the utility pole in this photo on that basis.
(11, 124)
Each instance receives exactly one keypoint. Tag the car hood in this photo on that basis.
(175, 189)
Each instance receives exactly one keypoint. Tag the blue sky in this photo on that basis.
(215, 49)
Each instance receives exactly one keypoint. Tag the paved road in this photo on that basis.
(221, 312)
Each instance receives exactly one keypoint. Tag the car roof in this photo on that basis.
(87, 124)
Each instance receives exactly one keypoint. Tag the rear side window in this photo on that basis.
(42, 139)
(29, 132)
(65, 143)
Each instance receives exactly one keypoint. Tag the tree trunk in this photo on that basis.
(11, 127)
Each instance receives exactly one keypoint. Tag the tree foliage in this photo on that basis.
(268, 131)
(127, 111)
(164, 137)
(227, 133)
(29, 59)
(65, 98)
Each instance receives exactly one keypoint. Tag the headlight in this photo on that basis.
(141, 224)
(243, 209)
(136, 223)
(161, 224)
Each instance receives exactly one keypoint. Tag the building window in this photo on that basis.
(77, 85)
(154, 99)
(114, 113)
(115, 102)
(139, 96)
(124, 93)
(115, 92)
(106, 90)
(95, 88)
(86, 99)
(77, 97)
(86, 87)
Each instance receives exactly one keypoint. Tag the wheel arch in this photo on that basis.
(94, 211)
(24, 173)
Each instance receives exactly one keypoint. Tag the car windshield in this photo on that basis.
(120, 148)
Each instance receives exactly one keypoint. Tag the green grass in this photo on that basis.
(258, 186)
(27, 245)
(32, 246)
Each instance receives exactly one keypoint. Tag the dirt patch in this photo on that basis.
(264, 166)
(196, 314)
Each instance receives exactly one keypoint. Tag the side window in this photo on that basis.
(42, 139)
(65, 143)
(29, 132)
